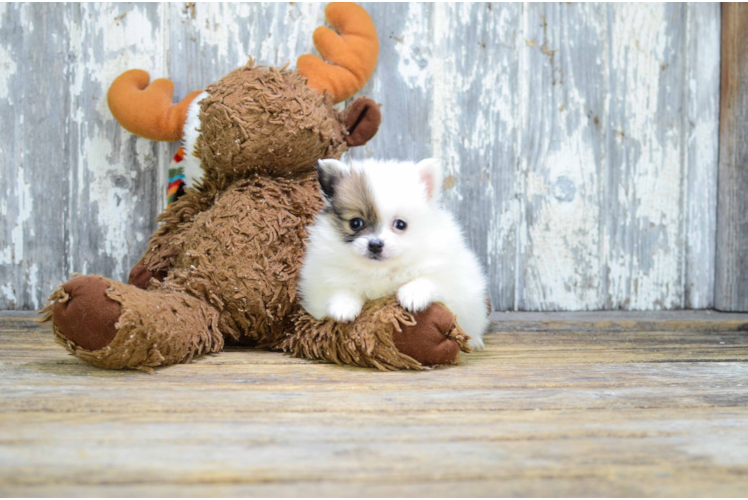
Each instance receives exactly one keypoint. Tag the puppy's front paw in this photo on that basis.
(476, 343)
(344, 308)
(416, 295)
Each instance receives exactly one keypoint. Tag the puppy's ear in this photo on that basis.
(430, 171)
(329, 173)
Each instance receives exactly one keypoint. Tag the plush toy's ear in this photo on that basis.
(348, 59)
(430, 171)
(329, 173)
(361, 119)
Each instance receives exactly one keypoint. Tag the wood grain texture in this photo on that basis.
(580, 140)
(645, 144)
(547, 409)
(701, 136)
(116, 179)
(79, 194)
(731, 289)
(33, 242)
(562, 158)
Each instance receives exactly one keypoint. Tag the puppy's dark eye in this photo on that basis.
(356, 224)
(400, 225)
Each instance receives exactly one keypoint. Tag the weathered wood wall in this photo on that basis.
(581, 140)
(731, 286)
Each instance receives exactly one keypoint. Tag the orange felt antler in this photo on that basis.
(147, 110)
(351, 55)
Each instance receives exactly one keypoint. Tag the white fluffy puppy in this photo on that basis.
(383, 231)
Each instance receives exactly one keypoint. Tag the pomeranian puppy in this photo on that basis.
(383, 231)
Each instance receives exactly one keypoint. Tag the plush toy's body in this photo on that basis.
(225, 262)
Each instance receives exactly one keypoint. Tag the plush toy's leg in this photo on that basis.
(140, 276)
(113, 325)
(384, 336)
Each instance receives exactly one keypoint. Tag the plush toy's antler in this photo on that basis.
(147, 110)
(351, 55)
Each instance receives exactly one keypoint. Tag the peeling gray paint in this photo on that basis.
(580, 140)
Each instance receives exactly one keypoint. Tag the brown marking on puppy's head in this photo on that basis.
(349, 200)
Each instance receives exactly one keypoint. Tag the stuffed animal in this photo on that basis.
(224, 263)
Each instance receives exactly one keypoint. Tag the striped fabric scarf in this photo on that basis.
(176, 178)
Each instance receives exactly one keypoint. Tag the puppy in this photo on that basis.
(383, 231)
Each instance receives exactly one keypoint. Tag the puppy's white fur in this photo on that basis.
(427, 262)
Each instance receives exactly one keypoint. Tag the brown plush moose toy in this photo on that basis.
(224, 263)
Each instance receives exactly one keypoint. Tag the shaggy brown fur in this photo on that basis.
(266, 120)
(379, 338)
(243, 256)
(156, 327)
(231, 248)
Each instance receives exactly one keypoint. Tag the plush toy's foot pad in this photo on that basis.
(113, 325)
(85, 315)
(140, 276)
(428, 341)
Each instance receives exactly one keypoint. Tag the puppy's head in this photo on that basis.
(380, 210)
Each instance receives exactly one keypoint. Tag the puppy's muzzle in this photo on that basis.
(376, 246)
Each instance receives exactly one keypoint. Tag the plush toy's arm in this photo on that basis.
(176, 218)
(384, 336)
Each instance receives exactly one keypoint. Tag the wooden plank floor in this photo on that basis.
(582, 405)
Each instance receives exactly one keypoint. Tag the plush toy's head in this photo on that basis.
(266, 120)
(279, 127)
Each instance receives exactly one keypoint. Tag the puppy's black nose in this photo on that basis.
(375, 246)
